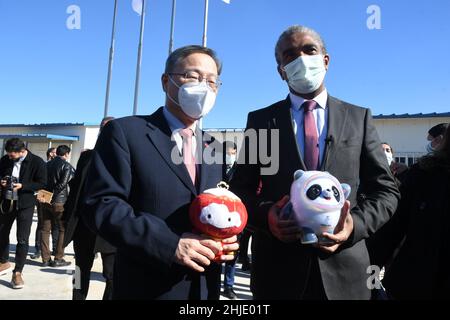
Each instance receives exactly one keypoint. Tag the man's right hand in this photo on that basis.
(196, 252)
(285, 230)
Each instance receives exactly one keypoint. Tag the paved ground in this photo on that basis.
(46, 283)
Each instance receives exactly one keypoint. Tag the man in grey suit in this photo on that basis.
(316, 132)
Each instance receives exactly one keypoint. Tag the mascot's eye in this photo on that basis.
(336, 194)
(314, 192)
(209, 216)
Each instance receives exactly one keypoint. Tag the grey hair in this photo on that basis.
(299, 29)
(179, 54)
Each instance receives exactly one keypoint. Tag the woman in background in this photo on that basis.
(415, 244)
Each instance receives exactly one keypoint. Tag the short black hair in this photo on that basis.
(49, 151)
(392, 150)
(181, 53)
(15, 145)
(438, 130)
(62, 150)
(229, 145)
(105, 120)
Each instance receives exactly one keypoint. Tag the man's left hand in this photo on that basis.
(17, 186)
(342, 232)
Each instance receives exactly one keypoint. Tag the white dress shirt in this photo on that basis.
(16, 168)
(321, 117)
(175, 126)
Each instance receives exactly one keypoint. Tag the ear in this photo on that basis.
(281, 73)
(347, 190)
(326, 61)
(164, 81)
(298, 174)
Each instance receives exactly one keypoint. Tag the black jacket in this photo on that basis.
(59, 173)
(73, 208)
(414, 245)
(137, 198)
(33, 177)
(354, 156)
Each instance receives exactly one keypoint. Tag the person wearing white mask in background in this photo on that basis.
(398, 169)
(316, 132)
(138, 192)
(435, 137)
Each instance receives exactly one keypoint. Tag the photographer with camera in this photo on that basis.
(22, 174)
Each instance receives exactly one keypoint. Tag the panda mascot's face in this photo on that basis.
(323, 193)
(317, 198)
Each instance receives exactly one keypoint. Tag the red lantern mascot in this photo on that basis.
(218, 213)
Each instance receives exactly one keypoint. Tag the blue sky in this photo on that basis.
(49, 73)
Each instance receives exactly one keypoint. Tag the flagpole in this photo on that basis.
(172, 25)
(111, 60)
(205, 23)
(205, 38)
(139, 60)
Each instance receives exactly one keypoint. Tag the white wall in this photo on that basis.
(406, 135)
(91, 135)
(77, 146)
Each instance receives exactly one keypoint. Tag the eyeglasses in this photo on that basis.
(192, 76)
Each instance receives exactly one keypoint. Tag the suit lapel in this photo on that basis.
(337, 116)
(160, 135)
(24, 166)
(288, 142)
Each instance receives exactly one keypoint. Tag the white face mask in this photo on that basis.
(389, 157)
(430, 148)
(230, 159)
(195, 99)
(306, 73)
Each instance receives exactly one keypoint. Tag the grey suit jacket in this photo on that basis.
(353, 155)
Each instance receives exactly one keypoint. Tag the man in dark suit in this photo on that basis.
(316, 132)
(144, 174)
(22, 174)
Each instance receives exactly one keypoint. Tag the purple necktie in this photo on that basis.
(188, 157)
(311, 138)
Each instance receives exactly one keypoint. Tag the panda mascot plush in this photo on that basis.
(218, 213)
(316, 200)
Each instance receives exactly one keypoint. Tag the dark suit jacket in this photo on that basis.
(137, 199)
(74, 226)
(33, 176)
(354, 156)
(414, 244)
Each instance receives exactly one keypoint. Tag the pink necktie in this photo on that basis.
(188, 157)
(311, 138)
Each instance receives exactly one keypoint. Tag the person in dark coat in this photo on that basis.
(414, 245)
(86, 243)
(311, 130)
(144, 174)
(22, 174)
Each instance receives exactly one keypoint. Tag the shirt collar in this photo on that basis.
(175, 124)
(21, 159)
(297, 101)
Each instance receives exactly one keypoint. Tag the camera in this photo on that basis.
(9, 195)
(8, 191)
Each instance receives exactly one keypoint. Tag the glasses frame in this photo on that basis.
(217, 84)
